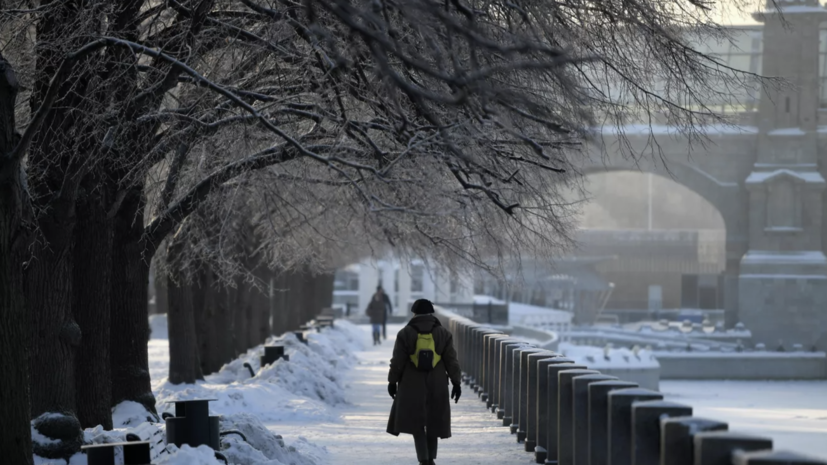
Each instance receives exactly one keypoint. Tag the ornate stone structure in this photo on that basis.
(767, 178)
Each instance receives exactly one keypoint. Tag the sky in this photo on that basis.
(730, 16)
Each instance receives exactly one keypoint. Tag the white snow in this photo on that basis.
(303, 388)
(787, 132)
(814, 257)
(792, 413)
(600, 359)
(360, 437)
(813, 177)
(660, 129)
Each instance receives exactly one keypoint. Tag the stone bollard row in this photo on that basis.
(567, 414)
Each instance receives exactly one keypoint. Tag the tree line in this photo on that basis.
(238, 143)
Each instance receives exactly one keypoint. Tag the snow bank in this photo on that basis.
(262, 446)
(303, 389)
(300, 389)
(600, 359)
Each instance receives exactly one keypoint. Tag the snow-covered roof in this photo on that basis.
(784, 257)
(757, 177)
(787, 132)
(645, 129)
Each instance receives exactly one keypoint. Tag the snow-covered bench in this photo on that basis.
(152, 433)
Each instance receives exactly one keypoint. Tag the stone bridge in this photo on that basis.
(766, 176)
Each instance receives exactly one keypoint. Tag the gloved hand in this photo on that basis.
(392, 390)
(456, 391)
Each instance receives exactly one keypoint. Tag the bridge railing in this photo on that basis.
(567, 414)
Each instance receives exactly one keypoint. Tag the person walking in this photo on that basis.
(376, 312)
(424, 360)
(388, 310)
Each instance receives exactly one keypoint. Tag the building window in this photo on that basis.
(346, 281)
(417, 275)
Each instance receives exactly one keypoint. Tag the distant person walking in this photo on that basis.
(424, 359)
(388, 310)
(376, 313)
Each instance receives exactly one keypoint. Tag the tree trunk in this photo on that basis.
(204, 306)
(184, 364)
(92, 288)
(262, 305)
(223, 326)
(161, 306)
(239, 311)
(129, 333)
(55, 334)
(15, 430)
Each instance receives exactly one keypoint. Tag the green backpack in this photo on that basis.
(425, 357)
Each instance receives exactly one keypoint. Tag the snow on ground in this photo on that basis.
(792, 413)
(616, 358)
(303, 388)
(360, 437)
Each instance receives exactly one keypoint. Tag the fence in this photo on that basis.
(569, 415)
(495, 314)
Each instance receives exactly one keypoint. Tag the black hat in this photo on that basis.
(422, 307)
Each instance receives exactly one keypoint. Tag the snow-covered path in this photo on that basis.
(360, 438)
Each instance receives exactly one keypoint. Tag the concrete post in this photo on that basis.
(565, 413)
(495, 398)
(580, 412)
(533, 403)
(620, 422)
(488, 375)
(482, 359)
(676, 446)
(507, 390)
(773, 458)
(646, 417)
(521, 419)
(552, 405)
(543, 419)
(599, 419)
(717, 447)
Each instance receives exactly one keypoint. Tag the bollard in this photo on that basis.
(507, 381)
(532, 403)
(541, 449)
(565, 413)
(484, 341)
(773, 458)
(646, 417)
(676, 447)
(134, 453)
(521, 382)
(580, 412)
(488, 365)
(599, 419)
(493, 370)
(552, 406)
(192, 424)
(717, 447)
(499, 373)
(620, 422)
(271, 354)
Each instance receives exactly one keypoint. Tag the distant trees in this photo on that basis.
(320, 129)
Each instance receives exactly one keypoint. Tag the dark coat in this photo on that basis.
(376, 311)
(422, 398)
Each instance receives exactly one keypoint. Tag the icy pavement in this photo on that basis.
(360, 437)
(792, 413)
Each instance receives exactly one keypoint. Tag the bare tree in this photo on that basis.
(442, 128)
